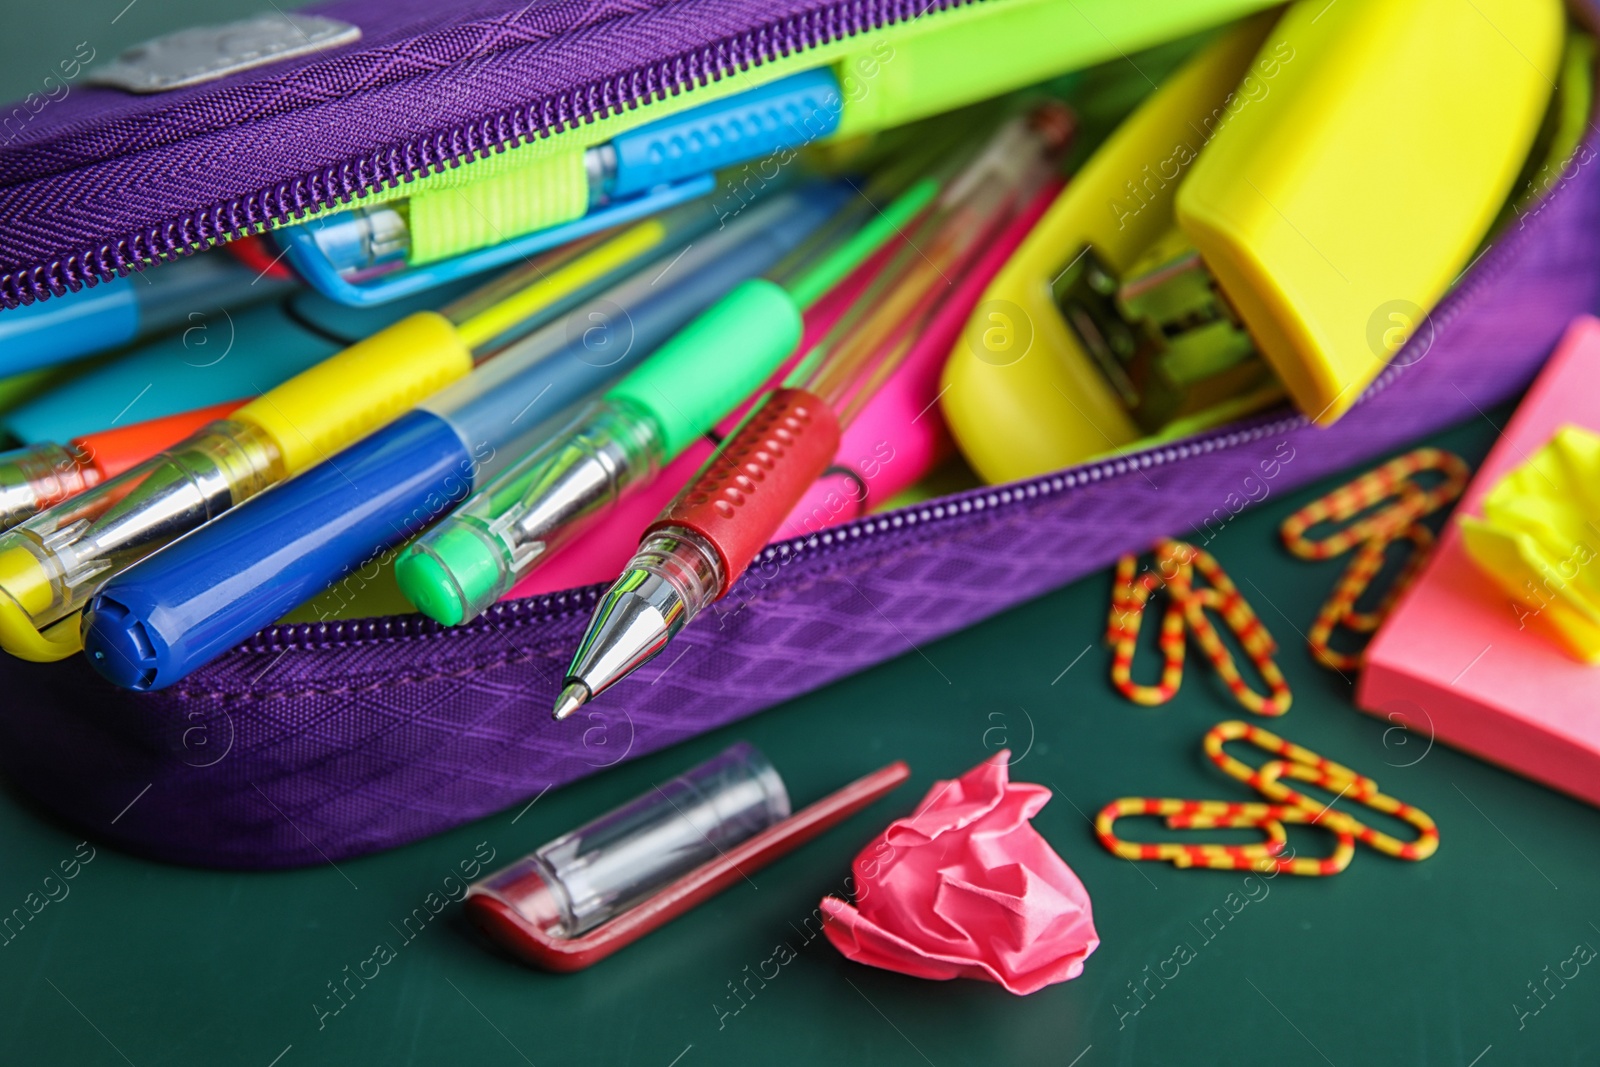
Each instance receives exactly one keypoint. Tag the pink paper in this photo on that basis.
(1459, 662)
(966, 888)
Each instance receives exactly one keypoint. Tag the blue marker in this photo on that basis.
(358, 257)
(195, 599)
(116, 312)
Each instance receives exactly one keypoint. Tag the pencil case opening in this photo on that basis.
(321, 741)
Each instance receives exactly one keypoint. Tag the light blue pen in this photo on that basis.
(113, 313)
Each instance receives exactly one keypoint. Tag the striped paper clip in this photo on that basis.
(1283, 806)
(1386, 506)
(1304, 765)
(1211, 814)
(1175, 566)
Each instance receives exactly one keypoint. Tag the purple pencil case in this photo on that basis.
(320, 741)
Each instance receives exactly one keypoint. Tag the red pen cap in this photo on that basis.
(110, 452)
(583, 878)
(589, 893)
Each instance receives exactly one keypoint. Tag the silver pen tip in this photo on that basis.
(573, 697)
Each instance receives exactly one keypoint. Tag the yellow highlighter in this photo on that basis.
(52, 564)
(1283, 213)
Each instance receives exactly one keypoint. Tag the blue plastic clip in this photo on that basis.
(300, 245)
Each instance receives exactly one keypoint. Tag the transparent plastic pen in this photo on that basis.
(42, 475)
(53, 563)
(703, 541)
(498, 536)
(152, 625)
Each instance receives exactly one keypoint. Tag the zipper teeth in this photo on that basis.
(389, 166)
(554, 606)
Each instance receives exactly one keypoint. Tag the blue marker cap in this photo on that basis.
(159, 620)
(120, 647)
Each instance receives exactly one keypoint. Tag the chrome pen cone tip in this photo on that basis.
(573, 697)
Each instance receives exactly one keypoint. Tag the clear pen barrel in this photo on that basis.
(586, 877)
(51, 564)
(40, 476)
(364, 239)
(539, 505)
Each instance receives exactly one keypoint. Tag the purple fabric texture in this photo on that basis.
(102, 180)
(316, 742)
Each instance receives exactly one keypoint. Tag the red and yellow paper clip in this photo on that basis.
(1284, 805)
(1306, 766)
(1387, 506)
(1175, 566)
(1208, 814)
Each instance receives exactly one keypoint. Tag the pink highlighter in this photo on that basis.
(899, 436)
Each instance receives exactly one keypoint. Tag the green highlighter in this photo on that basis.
(499, 535)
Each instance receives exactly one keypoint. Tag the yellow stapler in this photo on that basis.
(1279, 216)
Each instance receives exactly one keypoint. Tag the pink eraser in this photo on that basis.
(1459, 661)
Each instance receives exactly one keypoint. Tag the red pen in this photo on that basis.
(701, 544)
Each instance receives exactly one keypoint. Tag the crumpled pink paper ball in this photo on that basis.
(966, 888)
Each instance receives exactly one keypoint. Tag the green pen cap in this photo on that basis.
(452, 577)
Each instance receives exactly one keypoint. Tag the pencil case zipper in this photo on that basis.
(778, 43)
(921, 520)
(311, 743)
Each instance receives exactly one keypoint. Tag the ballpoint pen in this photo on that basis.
(899, 436)
(42, 475)
(705, 539)
(123, 309)
(645, 421)
(182, 607)
(605, 547)
(51, 564)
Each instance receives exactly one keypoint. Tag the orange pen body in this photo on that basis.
(42, 475)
